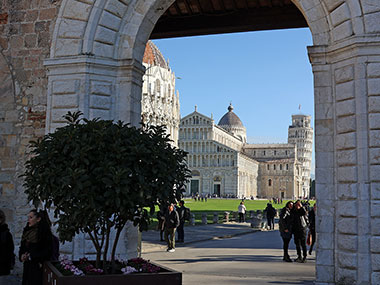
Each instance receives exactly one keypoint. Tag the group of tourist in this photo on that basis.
(202, 197)
(171, 220)
(38, 245)
(295, 220)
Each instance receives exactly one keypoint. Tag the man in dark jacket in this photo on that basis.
(271, 213)
(300, 224)
(171, 224)
(6, 249)
(182, 218)
(161, 221)
(285, 227)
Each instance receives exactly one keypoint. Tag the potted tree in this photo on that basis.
(96, 175)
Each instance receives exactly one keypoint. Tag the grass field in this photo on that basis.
(230, 205)
(222, 205)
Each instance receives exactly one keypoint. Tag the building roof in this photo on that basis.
(230, 119)
(153, 56)
(270, 145)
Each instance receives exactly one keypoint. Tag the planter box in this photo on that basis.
(52, 276)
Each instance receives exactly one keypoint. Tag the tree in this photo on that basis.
(96, 175)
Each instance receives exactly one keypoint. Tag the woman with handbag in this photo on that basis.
(36, 247)
(285, 227)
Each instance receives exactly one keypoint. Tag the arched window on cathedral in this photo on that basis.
(280, 166)
(287, 167)
(268, 166)
(274, 166)
(158, 86)
(264, 152)
(274, 152)
(270, 182)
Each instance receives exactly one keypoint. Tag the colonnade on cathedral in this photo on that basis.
(215, 160)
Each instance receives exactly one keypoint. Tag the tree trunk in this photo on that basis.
(118, 232)
(106, 247)
(98, 249)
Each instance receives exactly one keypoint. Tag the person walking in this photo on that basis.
(171, 223)
(285, 227)
(161, 222)
(7, 259)
(36, 247)
(312, 227)
(241, 210)
(271, 213)
(300, 224)
(183, 216)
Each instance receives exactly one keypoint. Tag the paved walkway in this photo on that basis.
(243, 256)
(151, 239)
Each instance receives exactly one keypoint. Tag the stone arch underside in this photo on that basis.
(117, 29)
(105, 41)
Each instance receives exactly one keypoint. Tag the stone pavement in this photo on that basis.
(245, 257)
(151, 239)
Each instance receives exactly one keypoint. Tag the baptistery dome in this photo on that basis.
(232, 124)
(153, 56)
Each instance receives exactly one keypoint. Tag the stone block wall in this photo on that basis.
(25, 37)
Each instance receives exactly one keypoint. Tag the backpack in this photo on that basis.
(54, 248)
(187, 214)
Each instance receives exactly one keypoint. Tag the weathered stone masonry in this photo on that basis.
(96, 49)
(25, 37)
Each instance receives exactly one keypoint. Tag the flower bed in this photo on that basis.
(134, 271)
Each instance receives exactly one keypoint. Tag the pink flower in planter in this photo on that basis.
(128, 270)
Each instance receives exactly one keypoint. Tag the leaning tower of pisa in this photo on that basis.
(301, 134)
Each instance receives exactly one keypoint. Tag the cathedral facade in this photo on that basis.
(223, 164)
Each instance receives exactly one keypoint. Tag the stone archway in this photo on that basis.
(105, 40)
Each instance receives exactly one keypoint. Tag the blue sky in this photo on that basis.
(266, 75)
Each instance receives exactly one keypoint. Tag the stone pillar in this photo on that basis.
(215, 219)
(226, 217)
(324, 142)
(347, 88)
(100, 88)
(204, 219)
(192, 220)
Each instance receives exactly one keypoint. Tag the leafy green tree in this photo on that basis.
(96, 175)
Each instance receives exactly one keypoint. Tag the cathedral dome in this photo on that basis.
(232, 124)
(153, 56)
(230, 119)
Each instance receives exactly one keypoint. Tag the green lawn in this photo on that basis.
(221, 206)
(230, 205)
